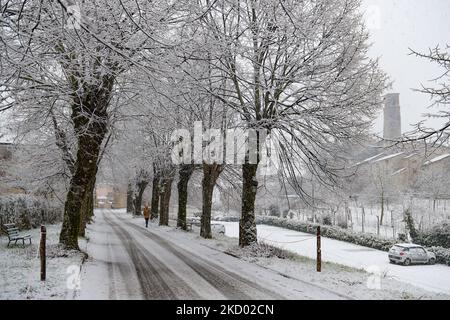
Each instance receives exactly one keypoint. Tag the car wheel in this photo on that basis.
(392, 261)
(432, 261)
(407, 262)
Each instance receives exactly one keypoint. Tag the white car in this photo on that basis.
(408, 253)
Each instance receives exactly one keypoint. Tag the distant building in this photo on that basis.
(392, 124)
(401, 165)
(109, 196)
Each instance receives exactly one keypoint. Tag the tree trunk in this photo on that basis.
(247, 224)
(382, 208)
(129, 198)
(90, 205)
(185, 174)
(155, 196)
(85, 169)
(87, 209)
(90, 119)
(165, 201)
(137, 201)
(211, 173)
(363, 218)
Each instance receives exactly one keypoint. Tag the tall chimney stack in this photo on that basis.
(392, 121)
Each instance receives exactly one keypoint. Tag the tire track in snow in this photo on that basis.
(227, 282)
(112, 292)
(124, 271)
(156, 280)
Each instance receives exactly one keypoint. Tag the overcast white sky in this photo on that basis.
(395, 26)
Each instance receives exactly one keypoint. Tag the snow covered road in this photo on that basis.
(128, 261)
(433, 278)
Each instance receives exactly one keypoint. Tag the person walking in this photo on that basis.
(146, 215)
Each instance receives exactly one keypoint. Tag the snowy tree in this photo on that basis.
(76, 60)
(439, 94)
(299, 70)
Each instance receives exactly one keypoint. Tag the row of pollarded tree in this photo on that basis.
(298, 70)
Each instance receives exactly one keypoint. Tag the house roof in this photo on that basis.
(390, 156)
(438, 158)
(369, 159)
(398, 171)
(411, 155)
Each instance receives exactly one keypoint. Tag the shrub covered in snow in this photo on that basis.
(333, 232)
(442, 254)
(327, 220)
(260, 250)
(274, 211)
(439, 235)
(28, 211)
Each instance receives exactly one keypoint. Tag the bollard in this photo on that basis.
(42, 252)
(319, 252)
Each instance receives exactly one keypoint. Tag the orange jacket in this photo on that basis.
(146, 213)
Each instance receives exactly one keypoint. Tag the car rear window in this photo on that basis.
(400, 248)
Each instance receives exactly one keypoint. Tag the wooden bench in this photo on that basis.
(13, 234)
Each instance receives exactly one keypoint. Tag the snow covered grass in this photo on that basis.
(345, 280)
(351, 282)
(432, 278)
(334, 232)
(20, 268)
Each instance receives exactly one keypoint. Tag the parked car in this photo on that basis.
(408, 253)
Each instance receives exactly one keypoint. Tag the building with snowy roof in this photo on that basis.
(400, 165)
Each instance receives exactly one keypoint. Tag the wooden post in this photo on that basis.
(42, 252)
(319, 252)
(350, 218)
(378, 225)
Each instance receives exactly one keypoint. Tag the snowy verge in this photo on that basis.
(346, 281)
(332, 232)
(20, 268)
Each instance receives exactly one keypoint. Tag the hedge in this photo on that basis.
(438, 236)
(333, 232)
(28, 211)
